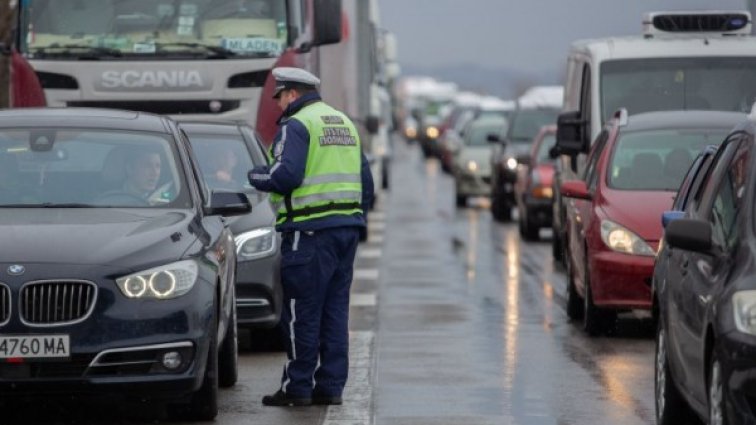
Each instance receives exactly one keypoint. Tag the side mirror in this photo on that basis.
(571, 138)
(372, 123)
(327, 22)
(228, 204)
(689, 234)
(524, 160)
(575, 189)
(670, 216)
(493, 138)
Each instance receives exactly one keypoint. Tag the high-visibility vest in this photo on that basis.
(332, 182)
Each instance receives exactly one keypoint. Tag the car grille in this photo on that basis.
(56, 302)
(5, 304)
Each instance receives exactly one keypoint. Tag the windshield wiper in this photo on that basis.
(220, 52)
(68, 49)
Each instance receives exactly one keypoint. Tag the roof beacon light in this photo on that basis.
(708, 23)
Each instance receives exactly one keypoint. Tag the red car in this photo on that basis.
(633, 171)
(533, 192)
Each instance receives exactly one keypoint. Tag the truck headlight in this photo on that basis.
(620, 239)
(164, 282)
(744, 308)
(255, 244)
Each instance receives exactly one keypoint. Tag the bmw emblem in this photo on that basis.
(16, 270)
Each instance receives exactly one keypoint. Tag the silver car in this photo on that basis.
(472, 163)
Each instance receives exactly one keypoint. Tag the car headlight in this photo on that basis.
(472, 166)
(164, 282)
(620, 239)
(432, 132)
(511, 163)
(744, 308)
(255, 244)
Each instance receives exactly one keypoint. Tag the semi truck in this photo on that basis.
(202, 59)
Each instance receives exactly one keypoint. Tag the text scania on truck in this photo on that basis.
(203, 59)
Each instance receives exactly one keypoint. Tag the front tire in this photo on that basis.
(204, 403)
(500, 209)
(228, 370)
(574, 301)
(671, 409)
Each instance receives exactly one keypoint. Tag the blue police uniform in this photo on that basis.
(316, 270)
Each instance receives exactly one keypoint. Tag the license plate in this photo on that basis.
(34, 346)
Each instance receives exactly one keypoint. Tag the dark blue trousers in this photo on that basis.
(316, 274)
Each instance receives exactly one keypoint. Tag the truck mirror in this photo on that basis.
(371, 124)
(570, 136)
(327, 22)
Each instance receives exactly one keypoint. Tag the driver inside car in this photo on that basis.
(142, 173)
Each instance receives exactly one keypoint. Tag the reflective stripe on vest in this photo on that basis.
(332, 183)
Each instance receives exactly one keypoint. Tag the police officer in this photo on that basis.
(320, 184)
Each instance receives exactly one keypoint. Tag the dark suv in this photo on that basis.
(513, 148)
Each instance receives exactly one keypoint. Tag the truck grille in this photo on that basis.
(5, 304)
(56, 302)
(165, 107)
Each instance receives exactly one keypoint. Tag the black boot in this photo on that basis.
(280, 398)
(325, 400)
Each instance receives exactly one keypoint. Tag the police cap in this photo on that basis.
(288, 77)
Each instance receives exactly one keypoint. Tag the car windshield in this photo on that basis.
(658, 159)
(645, 85)
(547, 143)
(68, 28)
(89, 168)
(479, 132)
(225, 160)
(526, 123)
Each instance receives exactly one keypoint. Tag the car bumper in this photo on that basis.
(621, 281)
(473, 184)
(258, 292)
(117, 350)
(538, 210)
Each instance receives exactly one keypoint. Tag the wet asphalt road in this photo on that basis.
(455, 320)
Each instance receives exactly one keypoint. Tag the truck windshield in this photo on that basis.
(694, 83)
(116, 28)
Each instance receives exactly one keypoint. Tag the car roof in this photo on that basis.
(638, 47)
(683, 119)
(72, 117)
(211, 127)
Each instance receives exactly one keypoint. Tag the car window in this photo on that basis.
(692, 181)
(224, 161)
(548, 142)
(730, 197)
(100, 168)
(589, 175)
(526, 123)
(657, 159)
(479, 131)
(717, 163)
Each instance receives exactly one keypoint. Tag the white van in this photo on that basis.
(704, 60)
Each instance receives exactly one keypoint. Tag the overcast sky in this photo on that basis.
(528, 35)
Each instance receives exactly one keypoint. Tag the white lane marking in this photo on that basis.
(376, 215)
(376, 225)
(370, 253)
(365, 274)
(358, 393)
(375, 238)
(363, 300)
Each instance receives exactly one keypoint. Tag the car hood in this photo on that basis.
(96, 236)
(639, 211)
(262, 215)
